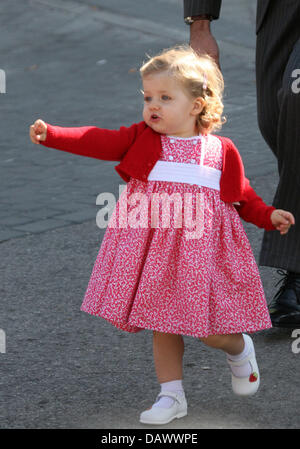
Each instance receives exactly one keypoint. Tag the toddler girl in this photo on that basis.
(157, 274)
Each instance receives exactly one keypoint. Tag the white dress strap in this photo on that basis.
(203, 145)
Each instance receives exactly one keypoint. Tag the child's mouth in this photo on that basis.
(154, 118)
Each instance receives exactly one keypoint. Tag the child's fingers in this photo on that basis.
(292, 218)
(38, 131)
(40, 126)
(33, 135)
(286, 217)
(283, 217)
(283, 229)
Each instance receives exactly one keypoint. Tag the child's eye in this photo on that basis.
(147, 99)
(165, 97)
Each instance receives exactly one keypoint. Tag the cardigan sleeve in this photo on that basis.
(237, 189)
(253, 210)
(198, 7)
(91, 141)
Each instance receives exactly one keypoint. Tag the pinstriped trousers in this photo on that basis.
(278, 108)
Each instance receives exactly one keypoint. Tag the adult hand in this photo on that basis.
(202, 41)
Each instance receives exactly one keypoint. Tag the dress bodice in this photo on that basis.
(188, 150)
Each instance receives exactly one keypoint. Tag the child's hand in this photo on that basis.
(282, 220)
(38, 131)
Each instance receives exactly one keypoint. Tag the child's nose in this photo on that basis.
(154, 105)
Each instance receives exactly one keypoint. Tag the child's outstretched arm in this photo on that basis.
(90, 141)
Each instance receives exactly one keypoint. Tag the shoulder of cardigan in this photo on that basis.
(146, 132)
(232, 182)
(230, 149)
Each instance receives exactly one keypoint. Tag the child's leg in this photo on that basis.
(241, 358)
(232, 343)
(168, 352)
(171, 403)
(236, 348)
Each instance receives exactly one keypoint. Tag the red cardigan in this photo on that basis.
(138, 148)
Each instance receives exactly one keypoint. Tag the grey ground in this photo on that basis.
(76, 63)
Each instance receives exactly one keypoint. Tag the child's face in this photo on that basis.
(167, 107)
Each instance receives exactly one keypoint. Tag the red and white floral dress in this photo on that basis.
(154, 274)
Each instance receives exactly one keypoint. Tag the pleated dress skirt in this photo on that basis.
(175, 258)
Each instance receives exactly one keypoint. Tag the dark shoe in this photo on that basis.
(285, 307)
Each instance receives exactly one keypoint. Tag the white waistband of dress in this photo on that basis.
(201, 175)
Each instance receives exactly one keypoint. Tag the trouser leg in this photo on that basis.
(278, 99)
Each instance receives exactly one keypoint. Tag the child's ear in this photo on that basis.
(198, 105)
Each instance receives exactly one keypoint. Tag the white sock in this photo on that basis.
(174, 386)
(243, 370)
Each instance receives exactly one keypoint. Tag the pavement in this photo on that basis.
(75, 63)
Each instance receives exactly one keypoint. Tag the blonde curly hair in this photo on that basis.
(200, 77)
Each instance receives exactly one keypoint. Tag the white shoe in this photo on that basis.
(160, 415)
(246, 386)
